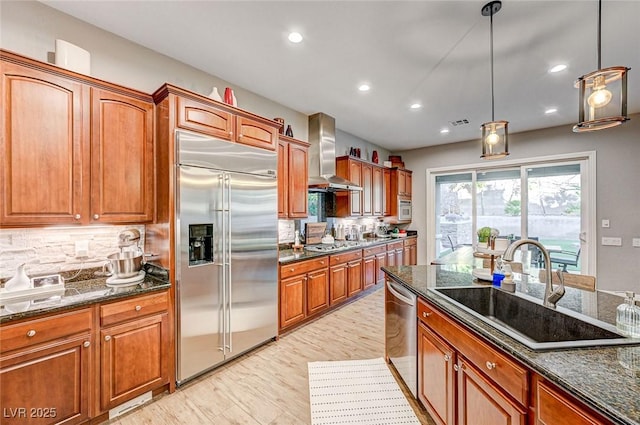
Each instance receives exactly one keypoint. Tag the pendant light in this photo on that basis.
(495, 134)
(603, 94)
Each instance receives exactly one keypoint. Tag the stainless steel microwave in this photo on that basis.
(404, 210)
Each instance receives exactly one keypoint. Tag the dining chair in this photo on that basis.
(565, 258)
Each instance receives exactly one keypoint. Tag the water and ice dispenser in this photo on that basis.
(200, 244)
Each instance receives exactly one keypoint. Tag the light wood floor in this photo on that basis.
(269, 385)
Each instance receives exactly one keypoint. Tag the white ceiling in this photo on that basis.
(433, 52)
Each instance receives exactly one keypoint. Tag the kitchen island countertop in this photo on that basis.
(605, 378)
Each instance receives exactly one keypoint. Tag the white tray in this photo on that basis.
(6, 296)
(482, 274)
(488, 251)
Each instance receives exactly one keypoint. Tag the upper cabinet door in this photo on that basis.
(122, 158)
(254, 133)
(298, 178)
(43, 156)
(203, 118)
(283, 179)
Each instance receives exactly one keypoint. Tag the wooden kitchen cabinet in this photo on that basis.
(134, 348)
(399, 189)
(395, 254)
(45, 369)
(386, 192)
(370, 202)
(377, 192)
(436, 363)
(88, 145)
(292, 178)
(489, 388)
(42, 183)
(202, 117)
(552, 406)
(256, 133)
(373, 259)
(304, 290)
(410, 252)
(345, 274)
(122, 162)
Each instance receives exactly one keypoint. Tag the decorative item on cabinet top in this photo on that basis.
(72, 57)
(281, 121)
(215, 95)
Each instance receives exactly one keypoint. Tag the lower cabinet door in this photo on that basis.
(381, 261)
(338, 284)
(481, 403)
(369, 271)
(317, 291)
(47, 385)
(355, 277)
(436, 376)
(292, 300)
(134, 359)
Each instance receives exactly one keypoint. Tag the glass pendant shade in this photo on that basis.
(603, 99)
(495, 139)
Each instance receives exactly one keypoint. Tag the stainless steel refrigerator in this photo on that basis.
(227, 255)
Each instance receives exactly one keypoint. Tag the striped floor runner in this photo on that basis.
(357, 392)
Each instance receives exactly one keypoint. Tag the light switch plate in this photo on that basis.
(635, 242)
(605, 223)
(609, 241)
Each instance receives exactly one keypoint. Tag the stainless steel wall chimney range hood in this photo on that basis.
(322, 156)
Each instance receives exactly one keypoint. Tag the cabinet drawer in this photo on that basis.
(42, 330)
(303, 267)
(410, 241)
(367, 252)
(133, 308)
(395, 245)
(512, 377)
(345, 257)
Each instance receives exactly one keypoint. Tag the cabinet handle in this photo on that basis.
(138, 308)
(96, 216)
(491, 365)
(292, 270)
(77, 216)
(425, 314)
(86, 344)
(107, 338)
(456, 367)
(447, 357)
(31, 333)
(239, 135)
(322, 262)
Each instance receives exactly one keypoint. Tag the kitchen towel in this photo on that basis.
(357, 392)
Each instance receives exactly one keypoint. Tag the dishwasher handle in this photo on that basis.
(395, 290)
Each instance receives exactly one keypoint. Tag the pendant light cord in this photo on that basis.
(599, 33)
(491, 32)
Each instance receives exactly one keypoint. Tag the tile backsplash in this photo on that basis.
(53, 249)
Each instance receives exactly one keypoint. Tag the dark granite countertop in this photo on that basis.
(77, 293)
(287, 256)
(606, 378)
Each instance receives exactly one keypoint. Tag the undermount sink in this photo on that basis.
(531, 323)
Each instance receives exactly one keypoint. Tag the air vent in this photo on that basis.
(459, 122)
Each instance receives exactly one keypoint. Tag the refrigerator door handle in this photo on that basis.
(223, 263)
(229, 346)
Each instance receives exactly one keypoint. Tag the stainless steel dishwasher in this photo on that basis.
(401, 338)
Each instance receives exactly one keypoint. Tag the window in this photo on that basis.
(546, 199)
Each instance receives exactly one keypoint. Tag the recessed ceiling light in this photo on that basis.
(551, 110)
(415, 106)
(295, 37)
(444, 131)
(557, 68)
(364, 87)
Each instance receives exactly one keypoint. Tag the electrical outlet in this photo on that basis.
(605, 223)
(635, 242)
(611, 241)
(82, 249)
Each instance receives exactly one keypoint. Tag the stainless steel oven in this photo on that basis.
(401, 327)
(404, 210)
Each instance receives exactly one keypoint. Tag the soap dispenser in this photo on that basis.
(628, 317)
(19, 281)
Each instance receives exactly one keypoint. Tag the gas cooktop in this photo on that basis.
(337, 246)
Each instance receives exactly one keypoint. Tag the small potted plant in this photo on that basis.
(484, 234)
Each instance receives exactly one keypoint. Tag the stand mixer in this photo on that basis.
(125, 266)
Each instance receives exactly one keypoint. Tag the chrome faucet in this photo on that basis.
(551, 295)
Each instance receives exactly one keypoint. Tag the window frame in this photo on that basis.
(587, 162)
